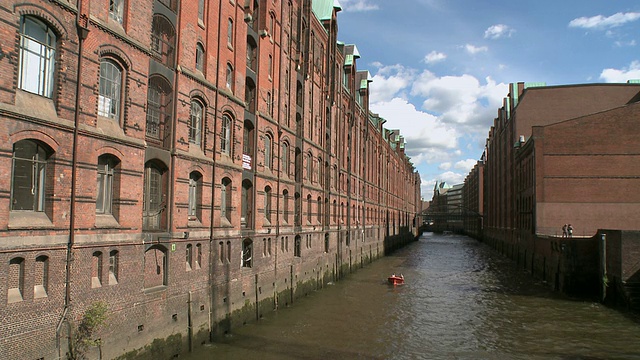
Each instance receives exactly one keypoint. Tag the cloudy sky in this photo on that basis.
(440, 68)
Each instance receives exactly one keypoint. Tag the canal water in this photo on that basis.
(461, 300)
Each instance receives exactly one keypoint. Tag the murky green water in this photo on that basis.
(461, 300)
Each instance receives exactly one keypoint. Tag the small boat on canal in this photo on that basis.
(396, 280)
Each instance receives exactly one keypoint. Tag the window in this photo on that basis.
(201, 10)
(319, 210)
(251, 55)
(153, 196)
(247, 253)
(96, 270)
(285, 159)
(326, 243)
(110, 89)
(247, 145)
(189, 257)
(37, 57)
(225, 199)
(159, 109)
(221, 251)
(267, 203)
(246, 219)
(116, 10)
(285, 205)
(250, 95)
(163, 40)
(195, 123)
(270, 66)
(200, 57)
(229, 77)
(230, 32)
(229, 251)
(269, 103)
(29, 176)
(309, 214)
(155, 266)
(195, 195)
(268, 151)
(225, 136)
(105, 184)
(198, 256)
(16, 280)
(309, 167)
(297, 246)
(113, 267)
(41, 277)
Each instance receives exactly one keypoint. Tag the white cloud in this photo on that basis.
(465, 165)
(445, 166)
(434, 57)
(358, 5)
(498, 31)
(472, 49)
(621, 75)
(461, 101)
(600, 22)
(390, 81)
(620, 43)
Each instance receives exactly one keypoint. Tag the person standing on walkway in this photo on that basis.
(564, 231)
(570, 230)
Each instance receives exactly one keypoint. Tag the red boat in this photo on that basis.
(396, 280)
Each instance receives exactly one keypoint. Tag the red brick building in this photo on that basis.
(566, 178)
(193, 164)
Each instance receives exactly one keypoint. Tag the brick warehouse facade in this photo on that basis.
(194, 164)
(560, 155)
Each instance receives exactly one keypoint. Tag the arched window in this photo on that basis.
(246, 219)
(41, 277)
(154, 202)
(15, 286)
(155, 266)
(37, 57)
(29, 176)
(96, 270)
(326, 242)
(247, 253)
(163, 40)
(230, 32)
(195, 196)
(201, 10)
(159, 108)
(252, 54)
(319, 210)
(268, 199)
(113, 266)
(105, 187)
(225, 136)
(250, 95)
(225, 199)
(188, 257)
(268, 151)
(310, 167)
(297, 247)
(230, 77)
(110, 92)
(200, 56)
(284, 159)
(285, 205)
(309, 214)
(247, 145)
(195, 122)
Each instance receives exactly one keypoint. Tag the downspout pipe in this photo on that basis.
(83, 32)
(213, 168)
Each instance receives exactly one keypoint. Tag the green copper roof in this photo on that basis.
(534, 84)
(323, 9)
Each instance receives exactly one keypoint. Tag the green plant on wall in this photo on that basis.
(84, 336)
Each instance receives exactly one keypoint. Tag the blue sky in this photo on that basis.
(440, 68)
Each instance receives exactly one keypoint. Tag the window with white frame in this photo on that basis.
(268, 151)
(110, 92)
(225, 136)
(105, 183)
(37, 57)
(195, 122)
(195, 181)
(116, 10)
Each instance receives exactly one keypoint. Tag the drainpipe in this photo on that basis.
(603, 264)
(213, 166)
(83, 32)
(275, 258)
